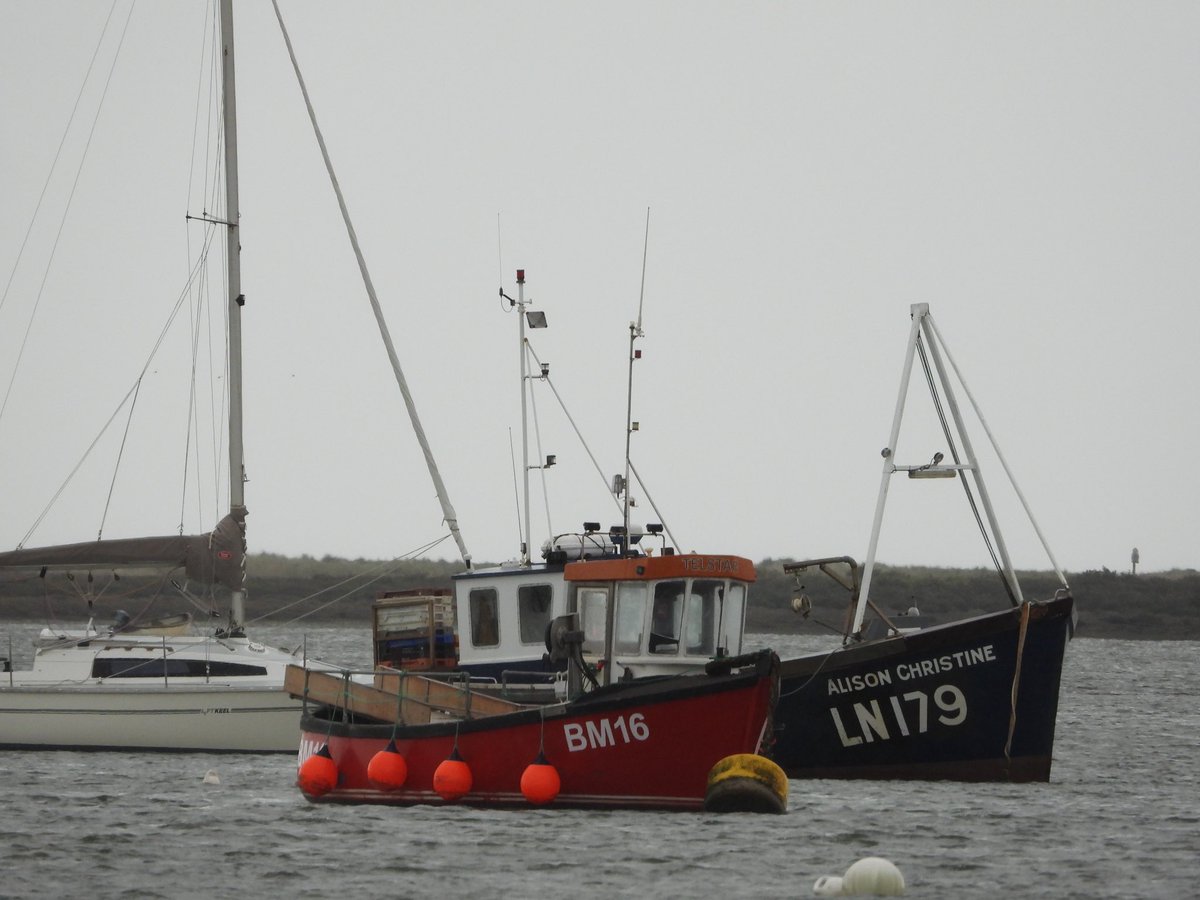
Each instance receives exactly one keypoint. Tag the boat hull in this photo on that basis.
(213, 718)
(647, 744)
(88, 690)
(974, 700)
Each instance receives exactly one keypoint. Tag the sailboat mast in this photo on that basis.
(237, 500)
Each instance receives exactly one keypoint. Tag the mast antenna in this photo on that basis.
(642, 292)
(635, 332)
(500, 253)
(534, 320)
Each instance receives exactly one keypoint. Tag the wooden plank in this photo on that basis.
(443, 695)
(385, 702)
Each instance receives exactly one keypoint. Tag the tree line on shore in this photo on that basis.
(1151, 606)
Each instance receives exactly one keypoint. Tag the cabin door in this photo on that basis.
(594, 606)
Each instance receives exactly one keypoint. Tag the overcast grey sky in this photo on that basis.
(1031, 170)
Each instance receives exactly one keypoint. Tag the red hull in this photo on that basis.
(640, 745)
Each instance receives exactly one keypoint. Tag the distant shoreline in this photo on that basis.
(1158, 606)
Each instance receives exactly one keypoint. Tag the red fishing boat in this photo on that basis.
(649, 743)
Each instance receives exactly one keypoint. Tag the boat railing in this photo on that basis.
(532, 684)
(394, 695)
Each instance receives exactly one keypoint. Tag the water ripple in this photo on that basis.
(1118, 820)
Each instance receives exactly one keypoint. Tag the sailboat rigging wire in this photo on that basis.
(360, 582)
(208, 73)
(193, 421)
(999, 455)
(448, 513)
(57, 154)
(120, 455)
(66, 209)
(209, 51)
(62, 487)
(131, 393)
(197, 274)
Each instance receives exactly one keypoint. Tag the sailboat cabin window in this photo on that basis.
(172, 667)
(533, 611)
(485, 621)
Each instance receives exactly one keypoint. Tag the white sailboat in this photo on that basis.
(145, 685)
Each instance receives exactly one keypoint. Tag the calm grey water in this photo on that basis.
(1120, 818)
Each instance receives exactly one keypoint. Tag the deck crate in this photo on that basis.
(414, 630)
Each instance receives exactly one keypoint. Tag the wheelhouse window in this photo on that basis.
(701, 617)
(533, 611)
(732, 613)
(485, 621)
(666, 616)
(630, 617)
(593, 619)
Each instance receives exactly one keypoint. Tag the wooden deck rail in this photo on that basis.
(395, 696)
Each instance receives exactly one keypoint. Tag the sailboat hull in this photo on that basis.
(973, 700)
(130, 691)
(213, 718)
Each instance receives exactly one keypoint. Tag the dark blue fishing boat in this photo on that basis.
(972, 700)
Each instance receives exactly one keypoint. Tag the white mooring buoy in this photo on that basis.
(211, 777)
(870, 876)
(828, 886)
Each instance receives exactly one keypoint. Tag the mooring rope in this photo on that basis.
(1012, 719)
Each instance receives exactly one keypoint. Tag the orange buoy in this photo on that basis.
(387, 769)
(452, 778)
(318, 774)
(540, 782)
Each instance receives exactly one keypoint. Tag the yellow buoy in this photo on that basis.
(452, 778)
(540, 782)
(746, 782)
(387, 769)
(318, 774)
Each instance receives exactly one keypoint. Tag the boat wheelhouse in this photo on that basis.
(659, 615)
(643, 614)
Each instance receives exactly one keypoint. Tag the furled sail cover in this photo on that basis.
(213, 558)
